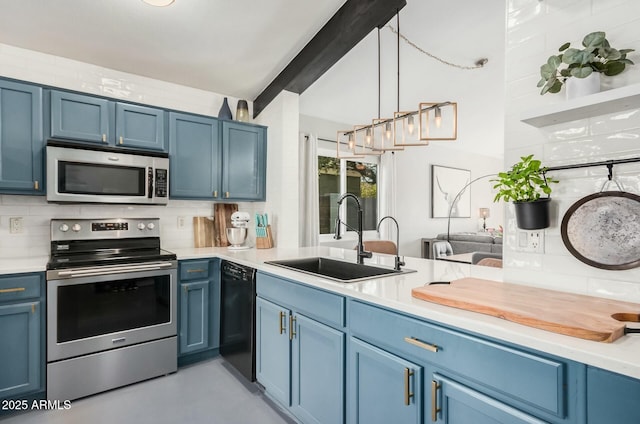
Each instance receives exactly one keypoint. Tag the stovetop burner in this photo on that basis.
(81, 243)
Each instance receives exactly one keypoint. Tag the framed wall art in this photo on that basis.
(446, 184)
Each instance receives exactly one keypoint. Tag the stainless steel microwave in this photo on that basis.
(82, 174)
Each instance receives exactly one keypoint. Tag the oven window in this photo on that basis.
(109, 180)
(92, 309)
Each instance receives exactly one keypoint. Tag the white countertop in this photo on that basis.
(394, 292)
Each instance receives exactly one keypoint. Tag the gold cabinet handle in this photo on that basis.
(423, 345)
(104, 138)
(215, 193)
(281, 322)
(121, 140)
(12, 290)
(36, 185)
(189, 271)
(33, 308)
(226, 194)
(434, 400)
(292, 330)
(407, 388)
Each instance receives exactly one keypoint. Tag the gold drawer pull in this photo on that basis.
(33, 308)
(36, 185)
(434, 400)
(292, 331)
(121, 140)
(407, 390)
(281, 322)
(12, 290)
(226, 194)
(189, 271)
(215, 193)
(104, 138)
(423, 345)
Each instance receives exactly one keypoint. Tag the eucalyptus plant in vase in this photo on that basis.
(595, 58)
(524, 184)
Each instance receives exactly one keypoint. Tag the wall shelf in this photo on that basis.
(610, 101)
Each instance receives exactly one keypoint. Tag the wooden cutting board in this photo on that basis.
(586, 317)
(222, 220)
(203, 231)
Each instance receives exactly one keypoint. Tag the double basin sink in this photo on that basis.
(344, 272)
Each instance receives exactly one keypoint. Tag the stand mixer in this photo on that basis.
(238, 234)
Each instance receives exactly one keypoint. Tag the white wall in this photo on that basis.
(535, 30)
(60, 72)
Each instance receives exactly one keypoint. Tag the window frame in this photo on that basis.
(346, 233)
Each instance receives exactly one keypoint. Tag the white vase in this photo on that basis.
(578, 87)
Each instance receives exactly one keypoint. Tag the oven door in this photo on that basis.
(96, 309)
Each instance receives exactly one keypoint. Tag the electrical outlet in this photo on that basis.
(530, 241)
(15, 225)
(181, 222)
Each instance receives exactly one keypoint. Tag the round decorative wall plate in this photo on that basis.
(603, 230)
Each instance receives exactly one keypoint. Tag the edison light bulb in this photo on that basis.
(410, 125)
(367, 136)
(438, 114)
(387, 130)
(351, 142)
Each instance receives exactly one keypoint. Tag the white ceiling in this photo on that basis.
(238, 47)
(232, 47)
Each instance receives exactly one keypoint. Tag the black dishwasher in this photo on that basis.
(237, 317)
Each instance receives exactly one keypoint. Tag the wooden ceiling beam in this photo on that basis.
(351, 23)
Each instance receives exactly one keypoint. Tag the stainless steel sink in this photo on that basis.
(345, 272)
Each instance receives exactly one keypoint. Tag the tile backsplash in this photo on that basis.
(37, 214)
(535, 30)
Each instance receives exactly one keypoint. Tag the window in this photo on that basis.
(336, 177)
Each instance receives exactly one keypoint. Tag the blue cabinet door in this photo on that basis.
(21, 139)
(455, 403)
(612, 398)
(194, 316)
(79, 117)
(244, 162)
(20, 349)
(273, 354)
(140, 127)
(194, 149)
(317, 371)
(383, 388)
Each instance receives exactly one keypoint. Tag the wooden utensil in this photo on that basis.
(575, 315)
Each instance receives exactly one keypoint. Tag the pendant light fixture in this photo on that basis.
(159, 3)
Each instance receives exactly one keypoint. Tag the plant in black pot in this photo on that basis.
(524, 184)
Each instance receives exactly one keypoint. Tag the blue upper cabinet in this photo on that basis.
(96, 120)
(21, 139)
(194, 149)
(79, 117)
(140, 126)
(244, 150)
(216, 160)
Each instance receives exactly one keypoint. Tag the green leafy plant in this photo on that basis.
(524, 182)
(596, 56)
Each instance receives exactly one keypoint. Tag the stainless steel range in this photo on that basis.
(111, 306)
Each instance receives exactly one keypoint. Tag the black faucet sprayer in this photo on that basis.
(361, 252)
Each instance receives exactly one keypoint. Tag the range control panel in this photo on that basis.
(107, 228)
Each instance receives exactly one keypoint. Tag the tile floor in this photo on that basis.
(208, 392)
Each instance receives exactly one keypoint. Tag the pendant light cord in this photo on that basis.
(479, 63)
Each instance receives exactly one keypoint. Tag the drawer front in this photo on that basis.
(194, 270)
(320, 305)
(16, 287)
(500, 368)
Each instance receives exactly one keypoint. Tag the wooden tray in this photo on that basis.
(586, 317)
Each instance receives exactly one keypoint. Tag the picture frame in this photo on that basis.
(446, 184)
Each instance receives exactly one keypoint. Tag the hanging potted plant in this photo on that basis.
(524, 184)
(597, 57)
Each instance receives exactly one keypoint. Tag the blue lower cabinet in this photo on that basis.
(198, 309)
(454, 403)
(612, 398)
(273, 351)
(194, 316)
(20, 353)
(317, 371)
(383, 388)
